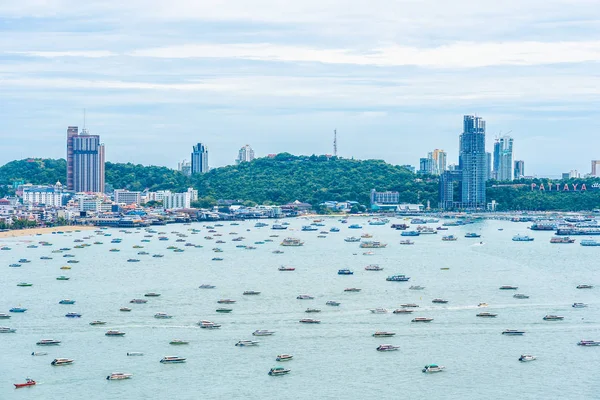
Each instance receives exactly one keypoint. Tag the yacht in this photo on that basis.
(117, 376)
(590, 243)
(62, 361)
(355, 290)
(373, 267)
(387, 347)
(162, 315)
(553, 318)
(352, 239)
(439, 301)
(114, 333)
(251, 293)
(309, 228)
(417, 287)
(246, 343)
(584, 287)
(206, 286)
(292, 242)
(397, 278)
(172, 360)
(403, 311)
(521, 238)
(93, 323)
(513, 332)
(588, 343)
(284, 357)
(345, 272)
(579, 305)
(422, 319)
(73, 315)
(208, 325)
(507, 287)
(48, 342)
(284, 268)
(304, 297)
(4, 329)
(262, 332)
(526, 357)
(487, 315)
(433, 368)
(277, 371)
(520, 296)
(383, 334)
(332, 303)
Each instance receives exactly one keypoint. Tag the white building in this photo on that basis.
(51, 196)
(173, 201)
(246, 154)
(126, 197)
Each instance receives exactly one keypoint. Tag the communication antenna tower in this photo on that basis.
(335, 143)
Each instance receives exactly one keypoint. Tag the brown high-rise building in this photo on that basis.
(85, 161)
(71, 132)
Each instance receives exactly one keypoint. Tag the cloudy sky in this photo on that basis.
(394, 77)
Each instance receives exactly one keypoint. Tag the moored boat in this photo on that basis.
(526, 357)
(588, 343)
(387, 347)
(284, 268)
(402, 311)
(93, 323)
(579, 305)
(172, 360)
(345, 272)
(309, 321)
(284, 357)
(352, 290)
(585, 287)
(417, 287)
(562, 239)
(48, 342)
(520, 296)
(373, 267)
(487, 315)
(262, 332)
(62, 361)
(397, 278)
(513, 332)
(378, 310)
(433, 368)
(304, 297)
(278, 371)
(383, 334)
(422, 319)
(553, 318)
(508, 287)
(4, 329)
(114, 333)
(117, 376)
(332, 303)
(179, 341)
(66, 301)
(208, 325)
(522, 238)
(162, 315)
(246, 343)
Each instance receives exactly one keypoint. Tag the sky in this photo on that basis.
(394, 77)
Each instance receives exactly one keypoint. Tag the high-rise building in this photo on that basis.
(199, 159)
(185, 167)
(85, 161)
(446, 188)
(488, 166)
(472, 160)
(439, 161)
(246, 154)
(504, 149)
(426, 166)
(595, 168)
(519, 169)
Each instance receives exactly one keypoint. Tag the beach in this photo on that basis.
(35, 231)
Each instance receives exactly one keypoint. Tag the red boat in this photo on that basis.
(30, 382)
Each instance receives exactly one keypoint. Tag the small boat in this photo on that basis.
(402, 311)
(508, 287)
(417, 287)
(162, 315)
(482, 305)
(312, 310)
(520, 296)
(487, 315)
(433, 368)
(45, 258)
(383, 334)
(584, 287)
(133, 260)
(125, 309)
(526, 357)
(114, 333)
(28, 382)
(422, 319)
(387, 347)
(24, 284)
(355, 226)
(277, 252)
(152, 294)
(158, 255)
(73, 315)
(345, 272)
(562, 240)
(62, 278)
(262, 332)
(225, 301)
(14, 265)
(553, 318)
(278, 371)
(407, 242)
(117, 376)
(304, 297)
(208, 325)
(4, 316)
(4, 329)
(48, 342)
(282, 268)
(513, 332)
(373, 267)
(62, 361)
(18, 310)
(250, 293)
(284, 357)
(65, 267)
(178, 342)
(410, 233)
(224, 310)
(39, 353)
(521, 238)
(73, 262)
(439, 301)
(378, 310)
(309, 321)
(138, 301)
(352, 239)
(172, 360)
(217, 259)
(332, 303)
(135, 354)
(94, 323)
(246, 343)
(354, 290)
(472, 235)
(206, 286)
(397, 278)
(579, 305)
(588, 343)
(24, 261)
(444, 268)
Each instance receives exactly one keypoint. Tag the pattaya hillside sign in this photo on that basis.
(563, 187)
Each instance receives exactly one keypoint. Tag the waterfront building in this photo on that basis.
(472, 159)
(172, 201)
(85, 161)
(126, 197)
(246, 154)
(199, 159)
(385, 197)
(503, 149)
(595, 168)
(185, 167)
(50, 196)
(519, 169)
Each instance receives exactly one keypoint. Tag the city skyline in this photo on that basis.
(284, 78)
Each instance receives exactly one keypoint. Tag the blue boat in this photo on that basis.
(334, 229)
(410, 233)
(18, 309)
(355, 226)
(589, 242)
(66, 301)
(397, 278)
(345, 272)
(519, 238)
(472, 235)
(14, 265)
(309, 228)
(73, 315)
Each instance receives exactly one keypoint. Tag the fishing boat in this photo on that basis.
(312, 310)
(24, 284)
(277, 252)
(39, 353)
(383, 334)
(283, 268)
(152, 294)
(402, 311)
(73, 315)
(526, 358)
(138, 301)
(378, 310)
(352, 290)
(262, 332)
(117, 376)
(590, 243)
(65, 267)
(162, 315)
(15, 265)
(409, 305)
(4, 329)
(588, 343)
(422, 319)
(304, 297)
(397, 278)
(226, 301)
(387, 347)
(135, 354)
(172, 360)
(373, 267)
(246, 343)
(133, 260)
(309, 321)
(62, 361)
(28, 382)
(345, 272)
(45, 258)
(74, 262)
(94, 323)
(355, 226)
(4, 316)
(433, 368)
(513, 332)
(48, 342)
(24, 261)
(114, 333)
(284, 357)
(178, 342)
(410, 233)
(278, 371)
(125, 309)
(332, 303)
(292, 242)
(472, 235)
(553, 318)
(406, 242)
(449, 238)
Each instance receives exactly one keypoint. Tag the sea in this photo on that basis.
(336, 359)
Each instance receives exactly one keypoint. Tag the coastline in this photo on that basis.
(34, 231)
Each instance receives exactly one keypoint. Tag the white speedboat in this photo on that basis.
(117, 376)
(305, 297)
(553, 318)
(39, 353)
(579, 305)
(513, 332)
(114, 333)
(135, 354)
(526, 357)
(162, 315)
(262, 332)
(332, 303)
(520, 296)
(309, 321)
(4, 316)
(179, 341)
(383, 334)
(172, 360)
(487, 315)
(245, 343)
(62, 361)
(403, 311)
(417, 287)
(48, 342)
(378, 310)
(278, 371)
(387, 347)
(208, 325)
(433, 368)
(373, 267)
(4, 329)
(422, 319)
(284, 357)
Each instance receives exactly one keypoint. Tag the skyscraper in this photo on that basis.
(472, 160)
(595, 168)
(426, 165)
(439, 161)
(199, 159)
(496, 165)
(505, 162)
(488, 166)
(519, 169)
(85, 161)
(246, 154)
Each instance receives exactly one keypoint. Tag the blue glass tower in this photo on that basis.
(472, 162)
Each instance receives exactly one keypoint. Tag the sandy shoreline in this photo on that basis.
(35, 231)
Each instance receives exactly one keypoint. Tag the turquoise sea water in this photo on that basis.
(333, 360)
